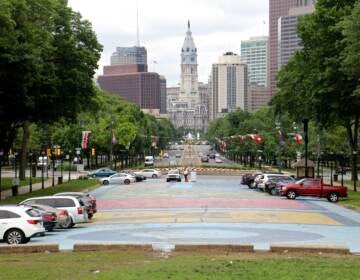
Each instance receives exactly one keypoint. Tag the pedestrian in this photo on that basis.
(186, 174)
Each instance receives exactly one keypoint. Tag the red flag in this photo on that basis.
(298, 137)
(85, 138)
(257, 138)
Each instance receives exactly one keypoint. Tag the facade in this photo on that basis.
(258, 97)
(255, 53)
(185, 108)
(163, 98)
(127, 77)
(288, 39)
(140, 88)
(229, 85)
(278, 9)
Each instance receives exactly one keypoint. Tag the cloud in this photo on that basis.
(217, 25)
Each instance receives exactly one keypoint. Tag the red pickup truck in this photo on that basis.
(313, 187)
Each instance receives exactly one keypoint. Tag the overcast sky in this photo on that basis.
(217, 26)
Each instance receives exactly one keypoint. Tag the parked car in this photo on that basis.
(166, 155)
(218, 160)
(118, 178)
(19, 224)
(88, 200)
(173, 175)
(274, 184)
(138, 177)
(149, 173)
(264, 180)
(63, 218)
(149, 161)
(313, 187)
(177, 155)
(102, 172)
(212, 156)
(43, 162)
(204, 159)
(71, 204)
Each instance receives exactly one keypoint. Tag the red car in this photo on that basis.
(313, 187)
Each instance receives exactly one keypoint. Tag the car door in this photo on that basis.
(8, 219)
(306, 188)
(115, 179)
(147, 173)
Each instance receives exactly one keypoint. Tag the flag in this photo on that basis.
(257, 138)
(114, 141)
(85, 138)
(298, 138)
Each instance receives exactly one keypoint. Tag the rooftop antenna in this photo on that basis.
(263, 27)
(137, 24)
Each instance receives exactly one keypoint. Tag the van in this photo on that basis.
(149, 160)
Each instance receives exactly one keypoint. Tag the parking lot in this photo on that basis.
(214, 209)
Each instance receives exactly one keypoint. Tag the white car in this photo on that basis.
(173, 175)
(166, 155)
(19, 223)
(149, 173)
(218, 160)
(118, 178)
(72, 205)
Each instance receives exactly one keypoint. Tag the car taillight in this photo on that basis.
(32, 222)
(63, 213)
(49, 217)
(80, 210)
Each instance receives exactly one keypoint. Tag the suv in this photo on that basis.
(19, 224)
(75, 207)
(43, 162)
(173, 175)
(263, 180)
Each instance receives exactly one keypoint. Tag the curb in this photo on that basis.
(112, 247)
(313, 249)
(29, 248)
(214, 248)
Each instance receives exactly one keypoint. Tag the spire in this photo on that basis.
(189, 24)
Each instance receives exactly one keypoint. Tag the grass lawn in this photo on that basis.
(72, 186)
(353, 199)
(6, 182)
(148, 266)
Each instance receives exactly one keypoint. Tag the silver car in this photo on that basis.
(118, 178)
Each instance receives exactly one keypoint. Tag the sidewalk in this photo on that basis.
(37, 186)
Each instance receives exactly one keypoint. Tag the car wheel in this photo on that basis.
(127, 182)
(66, 224)
(273, 191)
(94, 176)
(167, 180)
(154, 176)
(14, 236)
(105, 182)
(291, 194)
(90, 215)
(333, 197)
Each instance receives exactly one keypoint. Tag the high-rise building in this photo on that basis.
(229, 85)
(185, 109)
(254, 52)
(162, 95)
(278, 9)
(288, 40)
(127, 76)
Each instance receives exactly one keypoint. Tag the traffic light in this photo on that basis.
(92, 152)
(58, 152)
(48, 152)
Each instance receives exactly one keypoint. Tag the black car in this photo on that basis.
(138, 177)
(205, 159)
(212, 156)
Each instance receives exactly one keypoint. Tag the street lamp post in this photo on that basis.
(1, 158)
(53, 167)
(69, 158)
(42, 169)
(30, 159)
(355, 175)
(306, 126)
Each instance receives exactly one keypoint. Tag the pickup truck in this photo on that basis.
(313, 187)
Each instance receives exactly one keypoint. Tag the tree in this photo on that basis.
(315, 84)
(48, 56)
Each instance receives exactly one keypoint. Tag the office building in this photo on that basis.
(163, 97)
(254, 52)
(229, 85)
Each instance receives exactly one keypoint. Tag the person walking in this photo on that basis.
(186, 175)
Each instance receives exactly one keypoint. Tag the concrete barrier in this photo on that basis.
(214, 248)
(312, 249)
(112, 247)
(29, 248)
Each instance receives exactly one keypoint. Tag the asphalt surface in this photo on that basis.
(214, 209)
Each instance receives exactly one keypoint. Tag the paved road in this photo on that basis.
(212, 210)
